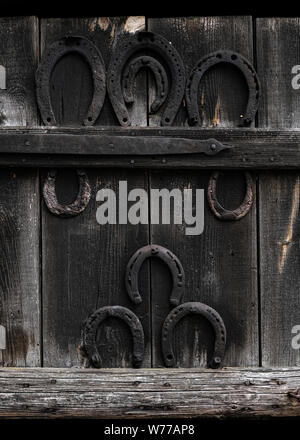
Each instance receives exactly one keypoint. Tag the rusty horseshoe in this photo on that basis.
(200, 309)
(92, 324)
(74, 208)
(134, 266)
(225, 214)
(127, 60)
(160, 76)
(51, 55)
(204, 64)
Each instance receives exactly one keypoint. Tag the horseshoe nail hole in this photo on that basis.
(167, 120)
(219, 55)
(48, 119)
(90, 118)
(233, 57)
(125, 119)
(169, 357)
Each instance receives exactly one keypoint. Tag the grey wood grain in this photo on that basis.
(84, 263)
(149, 393)
(277, 52)
(19, 51)
(19, 267)
(220, 264)
(19, 200)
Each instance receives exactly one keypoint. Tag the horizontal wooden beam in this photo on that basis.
(149, 393)
(149, 148)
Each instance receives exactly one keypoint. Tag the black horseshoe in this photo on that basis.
(124, 54)
(160, 76)
(92, 324)
(205, 63)
(75, 208)
(200, 309)
(225, 214)
(51, 56)
(135, 263)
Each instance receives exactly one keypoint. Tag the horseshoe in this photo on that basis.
(134, 266)
(92, 324)
(51, 56)
(160, 76)
(125, 54)
(74, 208)
(200, 309)
(205, 63)
(225, 214)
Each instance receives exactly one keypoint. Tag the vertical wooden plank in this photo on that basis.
(220, 264)
(278, 50)
(83, 262)
(19, 41)
(19, 200)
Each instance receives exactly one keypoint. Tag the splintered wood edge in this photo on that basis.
(149, 393)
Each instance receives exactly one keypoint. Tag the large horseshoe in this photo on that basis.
(225, 214)
(92, 324)
(51, 56)
(125, 53)
(205, 63)
(160, 76)
(134, 266)
(200, 309)
(75, 208)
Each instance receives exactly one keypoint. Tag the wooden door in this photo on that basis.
(57, 271)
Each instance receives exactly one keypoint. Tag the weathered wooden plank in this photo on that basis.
(19, 267)
(83, 262)
(277, 52)
(160, 393)
(220, 264)
(19, 46)
(257, 149)
(19, 200)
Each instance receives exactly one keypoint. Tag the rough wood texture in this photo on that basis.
(19, 201)
(278, 43)
(19, 267)
(19, 43)
(154, 393)
(84, 263)
(231, 245)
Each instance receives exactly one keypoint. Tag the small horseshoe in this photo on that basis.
(131, 48)
(74, 208)
(200, 309)
(51, 56)
(160, 76)
(205, 63)
(134, 266)
(223, 213)
(92, 324)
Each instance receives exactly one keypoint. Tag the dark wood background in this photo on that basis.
(54, 272)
